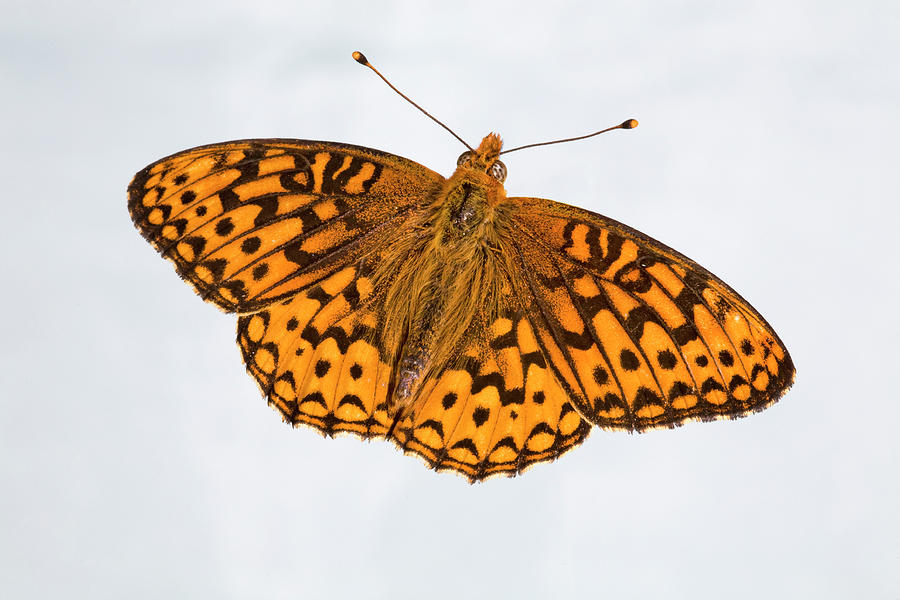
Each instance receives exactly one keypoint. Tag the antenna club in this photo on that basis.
(360, 58)
(629, 124)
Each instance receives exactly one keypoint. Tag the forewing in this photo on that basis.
(251, 222)
(640, 335)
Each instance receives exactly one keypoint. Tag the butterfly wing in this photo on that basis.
(276, 230)
(640, 335)
(251, 222)
(498, 410)
(316, 356)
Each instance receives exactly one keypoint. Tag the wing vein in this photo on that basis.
(336, 254)
(721, 325)
(596, 338)
(543, 312)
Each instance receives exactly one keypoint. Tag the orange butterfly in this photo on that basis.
(481, 332)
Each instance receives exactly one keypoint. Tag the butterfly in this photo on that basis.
(480, 332)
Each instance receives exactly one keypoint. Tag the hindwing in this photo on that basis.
(498, 409)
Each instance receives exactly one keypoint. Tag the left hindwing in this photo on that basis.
(251, 222)
(640, 335)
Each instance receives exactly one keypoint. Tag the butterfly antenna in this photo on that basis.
(361, 59)
(629, 124)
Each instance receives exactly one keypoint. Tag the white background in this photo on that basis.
(137, 457)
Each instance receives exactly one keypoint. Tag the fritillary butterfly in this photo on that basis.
(481, 332)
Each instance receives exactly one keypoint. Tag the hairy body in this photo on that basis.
(448, 265)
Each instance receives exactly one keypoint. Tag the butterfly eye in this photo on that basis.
(464, 157)
(498, 171)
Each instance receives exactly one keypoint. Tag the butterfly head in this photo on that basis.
(473, 192)
(484, 158)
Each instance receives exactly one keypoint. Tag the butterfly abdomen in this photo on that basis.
(444, 276)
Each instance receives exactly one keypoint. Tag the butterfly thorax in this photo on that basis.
(445, 274)
(467, 206)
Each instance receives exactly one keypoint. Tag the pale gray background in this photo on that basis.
(138, 459)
